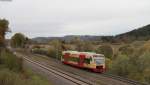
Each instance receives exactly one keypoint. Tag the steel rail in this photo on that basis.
(122, 79)
(126, 80)
(59, 73)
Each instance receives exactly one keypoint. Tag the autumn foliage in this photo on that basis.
(3, 29)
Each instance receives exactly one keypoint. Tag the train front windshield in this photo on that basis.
(99, 60)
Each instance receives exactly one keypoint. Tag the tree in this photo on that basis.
(141, 67)
(18, 40)
(57, 48)
(126, 50)
(88, 46)
(52, 52)
(78, 43)
(1, 41)
(106, 50)
(121, 65)
(3, 29)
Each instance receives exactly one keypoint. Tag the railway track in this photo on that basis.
(82, 82)
(73, 79)
(126, 80)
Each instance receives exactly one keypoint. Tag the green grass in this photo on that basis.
(8, 77)
(13, 73)
(10, 61)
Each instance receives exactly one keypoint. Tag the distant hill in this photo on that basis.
(67, 38)
(44, 39)
(142, 33)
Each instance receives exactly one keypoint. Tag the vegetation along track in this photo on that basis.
(61, 74)
(118, 78)
(122, 79)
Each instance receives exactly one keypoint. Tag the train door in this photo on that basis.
(66, 56)
(81, 61)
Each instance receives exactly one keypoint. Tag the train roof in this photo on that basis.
(88, 53)
(72, 52)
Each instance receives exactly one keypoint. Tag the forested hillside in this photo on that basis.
(142, 33)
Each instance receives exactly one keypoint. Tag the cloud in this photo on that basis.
(77, 17)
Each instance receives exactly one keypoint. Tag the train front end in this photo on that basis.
(99, 61)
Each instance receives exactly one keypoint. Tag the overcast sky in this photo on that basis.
(74, 17)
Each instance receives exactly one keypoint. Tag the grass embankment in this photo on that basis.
(13, 73)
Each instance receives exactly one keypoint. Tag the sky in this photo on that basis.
(46, 18)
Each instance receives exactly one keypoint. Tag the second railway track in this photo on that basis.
(78, 81)
(132, 82)
(61, 74)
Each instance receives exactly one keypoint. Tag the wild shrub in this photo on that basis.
(8, 77)
(141, 67)
(108, 63)
(121, 66)
(135, 66)
(144, 48)
(9, 60)
(106, 50)
(12, 72)
(54, 53)
(39, 51)
(144, 66)
(126, 50)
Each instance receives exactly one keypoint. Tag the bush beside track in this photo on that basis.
(12, 71)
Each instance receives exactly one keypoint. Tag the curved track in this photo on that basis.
(79, 81)
(61, 74)
(132, 82)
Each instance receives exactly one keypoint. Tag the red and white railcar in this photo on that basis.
(89, 60)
